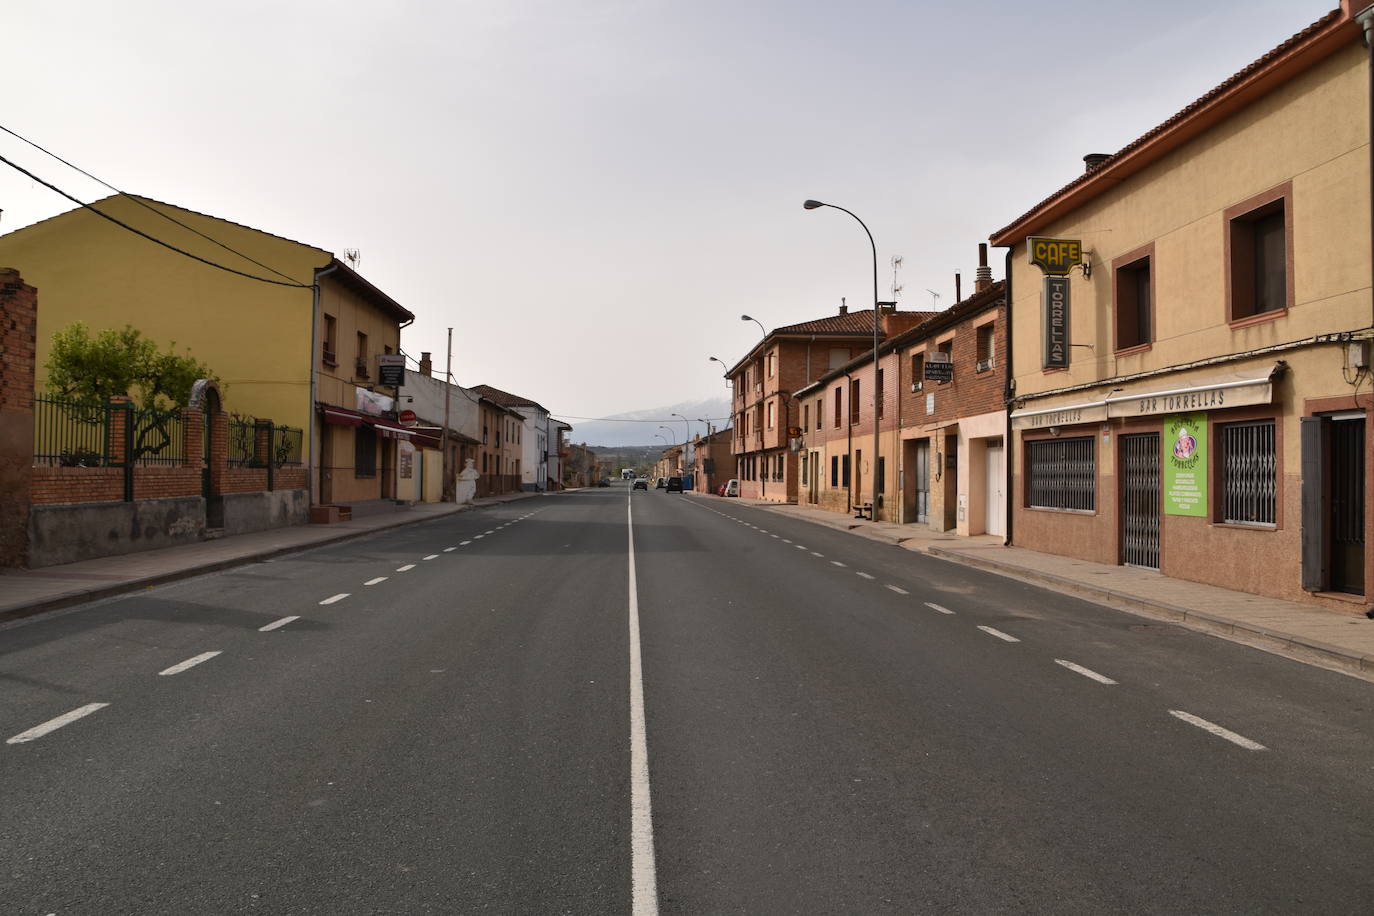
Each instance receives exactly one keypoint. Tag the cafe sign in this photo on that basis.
(1054, 338)
(1056, 257)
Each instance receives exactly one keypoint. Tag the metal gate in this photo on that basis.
(1140, 468)
(923, 481)
(1347, 506)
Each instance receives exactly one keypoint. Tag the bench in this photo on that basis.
(864, 509)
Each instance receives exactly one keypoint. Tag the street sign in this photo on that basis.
(1055, 313)
(939, 367)
(407, 418)
(391, 370)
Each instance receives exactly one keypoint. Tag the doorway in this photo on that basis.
(1346, 531)
(1140, 496)
(996, 520)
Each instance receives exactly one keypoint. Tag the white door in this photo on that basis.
(996, 522)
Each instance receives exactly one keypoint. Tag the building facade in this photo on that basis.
(1190, 338)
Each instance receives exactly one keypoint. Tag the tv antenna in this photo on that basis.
(896, 287)
(934, 299)
(354, 257)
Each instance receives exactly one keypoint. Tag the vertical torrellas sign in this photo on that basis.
(1185, 464)
(1055, 308)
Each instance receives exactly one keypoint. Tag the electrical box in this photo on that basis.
(1357, 354)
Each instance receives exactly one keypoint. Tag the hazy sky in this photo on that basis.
(592, 191)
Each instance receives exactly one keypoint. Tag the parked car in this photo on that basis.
(662, 482)
(674, 484)
(720, 490)
(641, 484)
(604, 482)
(732, 487)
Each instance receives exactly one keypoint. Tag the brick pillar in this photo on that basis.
(193, 437)
(18, 329)
(262, 442)
(119, 418)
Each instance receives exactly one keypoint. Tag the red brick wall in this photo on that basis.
(90, 485)
(971, 393)
(18, 324)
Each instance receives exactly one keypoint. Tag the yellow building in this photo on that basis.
(1187, 397)
(292, 333)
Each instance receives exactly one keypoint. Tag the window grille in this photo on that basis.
(1062, 474)
(1249, 492)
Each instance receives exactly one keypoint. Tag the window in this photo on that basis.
(881, 480)
(838, 357)
(771, 358)
(1061, 474)
(806, 417)
(329, 350)
(853, 401)
(839, 390)
(878, 393)
(484, 439)
(948, 349)
(1133, 295)
(918, 371)
(985, 348)
(365, 452)
(844, 470)
(804, 469)
(770, 414)
(779, 467)
(484, 462)
(834, 470)
(360, 369)
(1248, 468)
(818, 413)
(1259, 246)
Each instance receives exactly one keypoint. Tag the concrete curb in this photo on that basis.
(1275, 640)
(95, 593)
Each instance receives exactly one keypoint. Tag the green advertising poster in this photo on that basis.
(1185, 464)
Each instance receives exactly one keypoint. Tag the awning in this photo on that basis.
(387, 431)
(1045, 417)
(1237, 389)
(341, 417)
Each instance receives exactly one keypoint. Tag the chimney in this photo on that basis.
(958, 288)
(844, 309)
(426, 364)
(1093, 160)
(983, 279)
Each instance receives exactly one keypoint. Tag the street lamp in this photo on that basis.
(756, 321)
(812, 205)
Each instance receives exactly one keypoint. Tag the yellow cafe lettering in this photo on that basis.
(1055, 256)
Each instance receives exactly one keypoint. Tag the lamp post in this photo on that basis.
(812, 205)
(670, 434)
(757, 322)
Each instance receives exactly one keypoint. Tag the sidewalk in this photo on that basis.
(24, 592)
(1300, 631)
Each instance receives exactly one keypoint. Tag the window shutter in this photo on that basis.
(1314, 547)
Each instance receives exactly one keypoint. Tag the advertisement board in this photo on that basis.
(1185, 464)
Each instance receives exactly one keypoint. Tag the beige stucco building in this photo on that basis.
(1194, 395)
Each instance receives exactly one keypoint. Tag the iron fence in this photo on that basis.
(286, 447)
(242, 442)
(157, 437)
(70, 433)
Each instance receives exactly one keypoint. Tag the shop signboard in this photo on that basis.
(1055, 311)
(939, 367)
(391, 370)
(1185, 464)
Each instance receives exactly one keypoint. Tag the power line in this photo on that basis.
(139, 232)
(144, 204)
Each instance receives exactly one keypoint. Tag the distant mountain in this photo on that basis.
(638, 427)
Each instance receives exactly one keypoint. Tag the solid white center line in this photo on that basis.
(1079, 669)
(52, 725)
(432, 556)
(332, 598)
(864, 575)
(643, 878)
(406, 567)
(465, 543)
(1217, 730)
(1005, 637)
(277, 624)
(837, 562)
(936, 607)
(376, 580)
(189, 663)
(900, 591)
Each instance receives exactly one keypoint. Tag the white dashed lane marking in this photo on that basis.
(332, 598)
(189, 663)
(1079, 669)
(837, 563)
(1217, 730)
(430, 557)
(936, 607)
(465, 543)
(278, 624)
(900, 591)
(1005, 637)
(377, 580)
(408, 566)
(52, 725)
(864, 575)
(449, 549)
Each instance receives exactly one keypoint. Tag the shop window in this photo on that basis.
(364, 452)
(985, 348)
(1061, 474)
(1248, 468)
(1260, 247)
(1133, 292)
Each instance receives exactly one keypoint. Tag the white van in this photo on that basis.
(732, 487)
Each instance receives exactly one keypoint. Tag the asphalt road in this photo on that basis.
(833, 725)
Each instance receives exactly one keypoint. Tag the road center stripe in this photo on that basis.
(276, 624)
(1005, 637)
(189, 663)
(52, 725)
(936, 607)
(643, 878)
(1217, 730)
(332, 598)
(1079, 669)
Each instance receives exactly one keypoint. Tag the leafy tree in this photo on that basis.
(94, 369)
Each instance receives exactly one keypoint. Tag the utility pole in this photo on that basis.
(443, 436)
